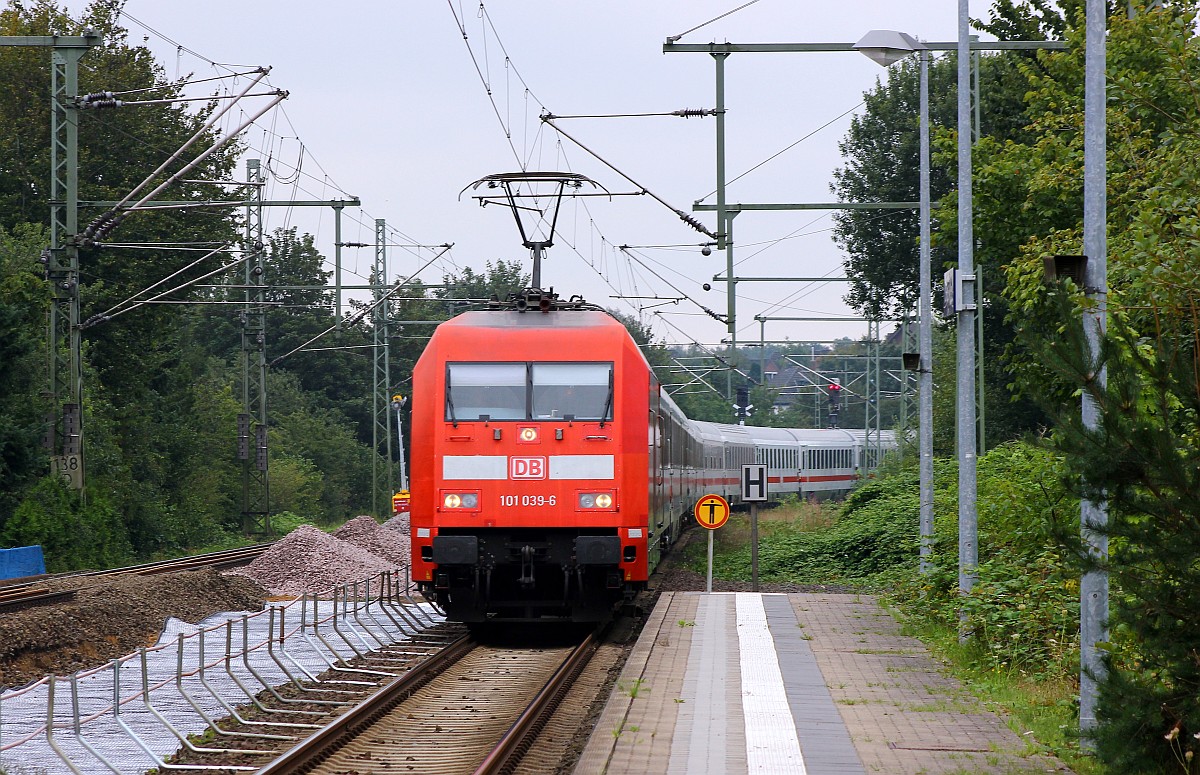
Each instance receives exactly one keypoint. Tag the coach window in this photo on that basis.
(494, 390)
(582, 391)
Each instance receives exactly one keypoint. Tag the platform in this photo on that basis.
(796, 684)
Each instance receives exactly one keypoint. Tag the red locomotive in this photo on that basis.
(550, 471)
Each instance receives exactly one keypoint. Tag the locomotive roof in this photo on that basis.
(510, 319)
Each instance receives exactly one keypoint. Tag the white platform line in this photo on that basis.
(772, 745)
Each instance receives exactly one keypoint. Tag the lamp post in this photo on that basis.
(886, 47)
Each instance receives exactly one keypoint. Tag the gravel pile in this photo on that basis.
(307, 560)
(399, 523)
(365, 533)
(110, 617)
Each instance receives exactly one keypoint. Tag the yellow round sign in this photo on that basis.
(712, 511)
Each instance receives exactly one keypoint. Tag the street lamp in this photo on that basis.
(886, 47)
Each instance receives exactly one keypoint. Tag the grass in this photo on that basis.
(1045, 708)
(729, 542)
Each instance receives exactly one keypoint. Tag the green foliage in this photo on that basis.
(1143, 459)
(868, 540)
(1023, 610)
(73, 536)
(500, 278)
(22, 357)
(882, 163)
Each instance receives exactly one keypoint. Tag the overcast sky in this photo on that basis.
(388, 103)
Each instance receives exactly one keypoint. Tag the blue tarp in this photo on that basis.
(21, 561)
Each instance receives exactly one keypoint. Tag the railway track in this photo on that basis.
(468, 708)
(25, 593)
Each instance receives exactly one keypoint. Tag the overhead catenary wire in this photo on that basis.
(103, 101)
(486, 84)
(689, 220)
(180, 83)
(366, 310)
(114, 311)
(109, 220)
(784, 150)
(714, 315)
(275, 166)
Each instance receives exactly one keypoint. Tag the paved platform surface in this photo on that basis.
(812, 684)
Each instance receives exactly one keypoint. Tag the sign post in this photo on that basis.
(712, 511)
(754, 491)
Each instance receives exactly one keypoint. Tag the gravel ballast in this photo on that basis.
(308, 561)
(365, 533)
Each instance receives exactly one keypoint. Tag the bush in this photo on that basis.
(1023, 610)
(73, 536)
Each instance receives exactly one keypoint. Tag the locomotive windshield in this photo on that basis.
(492, 390)
(529, 391)
(577, 390)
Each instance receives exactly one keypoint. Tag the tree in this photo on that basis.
(882, 164)
(1144, 458)
(23, 295)
(882, 155)
(500, 278)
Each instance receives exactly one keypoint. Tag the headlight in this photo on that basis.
(595, 500)
(460, 500)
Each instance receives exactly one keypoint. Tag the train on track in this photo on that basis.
(551, 471)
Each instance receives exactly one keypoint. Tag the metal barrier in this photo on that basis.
(129, 715)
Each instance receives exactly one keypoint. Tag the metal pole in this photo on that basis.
(754, 547)
(968, 550)
(762, 352)
(925, 335)
(725, 222)
(400, 444)
(977, 132)
(337, 260)
(382, 420)
(708, 586)
(256, 484)
(812, 363)
(1093, 515)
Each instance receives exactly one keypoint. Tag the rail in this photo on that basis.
(520, 736)
(31, 591)
(227, 558)
(334, 734)
(319, 751)
(130, 714)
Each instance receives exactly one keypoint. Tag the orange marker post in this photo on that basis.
(712, 511)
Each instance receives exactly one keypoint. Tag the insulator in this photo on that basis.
(96, 96)
(690, 221)
(694, 112)
(103, 104)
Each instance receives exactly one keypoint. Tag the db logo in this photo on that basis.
(527, 468)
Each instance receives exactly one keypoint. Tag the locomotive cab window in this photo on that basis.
(582, 391)
(493, 390)
(525, 391)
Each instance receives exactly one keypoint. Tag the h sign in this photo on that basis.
(754, 483)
